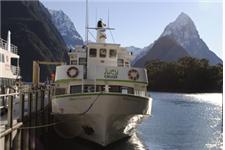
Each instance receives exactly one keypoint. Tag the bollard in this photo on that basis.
(8, 138)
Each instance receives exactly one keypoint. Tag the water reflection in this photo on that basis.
(212, 98)
(52, 141)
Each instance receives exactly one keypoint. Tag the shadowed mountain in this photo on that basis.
(34, 33)
(164, 49)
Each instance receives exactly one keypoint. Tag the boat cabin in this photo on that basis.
(100, 67)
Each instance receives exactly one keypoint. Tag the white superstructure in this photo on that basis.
(99, 96)
(9, 62)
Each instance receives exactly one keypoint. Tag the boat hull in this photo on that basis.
(101, 118)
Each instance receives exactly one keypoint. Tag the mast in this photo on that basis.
(86, 23)
(9, 41)
(86, 39)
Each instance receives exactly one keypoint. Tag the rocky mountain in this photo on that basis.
(133, 49)
(185, 34)
(66, 27)
(34, 33)
(164, 49)
(141, 53)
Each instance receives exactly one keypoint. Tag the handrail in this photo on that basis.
(10, 94)
(4, 45)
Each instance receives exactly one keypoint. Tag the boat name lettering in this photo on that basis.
(111, 73)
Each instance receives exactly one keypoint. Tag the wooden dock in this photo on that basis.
(28, 116)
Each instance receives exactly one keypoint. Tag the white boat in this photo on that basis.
(99, 96)
(9, 62)
(9, 68)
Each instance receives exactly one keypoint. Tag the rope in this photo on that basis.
(40, 126)
(112, 36)
(92, 104)
(92, 35)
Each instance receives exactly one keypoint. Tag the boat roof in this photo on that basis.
(110, 44)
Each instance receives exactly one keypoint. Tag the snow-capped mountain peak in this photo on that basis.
(182, 29)
(184, 34)
(66, 27)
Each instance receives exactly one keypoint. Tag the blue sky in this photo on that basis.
(139, 23)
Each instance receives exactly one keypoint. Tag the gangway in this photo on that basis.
(36, 69)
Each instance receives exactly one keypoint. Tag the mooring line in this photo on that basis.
(55, 123)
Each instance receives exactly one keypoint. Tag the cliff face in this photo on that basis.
(34, 33)
(164, 49)
(67, 28)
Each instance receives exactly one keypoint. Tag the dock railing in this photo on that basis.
(20, 131)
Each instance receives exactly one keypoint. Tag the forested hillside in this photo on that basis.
(186, 75)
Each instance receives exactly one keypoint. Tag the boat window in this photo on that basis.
(3, 58)
(89, 88)
(100, 88)
(112, 53)
(124, 90)
(140, 93)
(120, 62)
(82, 61)
(127, 64)
(75, 89)
(73, 62)
(92, 52)
(102, 53)
(14, 61)
(60, 91)
(114, 88)
(130, 90)
(121, 89)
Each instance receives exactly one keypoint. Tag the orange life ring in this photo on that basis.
(133, 74)
(72, 72)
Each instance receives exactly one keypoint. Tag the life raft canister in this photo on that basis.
(72, 72)
(133, 74)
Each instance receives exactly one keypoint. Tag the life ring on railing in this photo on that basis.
(133, 74)
(72, 72)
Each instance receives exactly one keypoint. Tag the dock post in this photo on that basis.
(42, 108)
(8, 138)
(30, 138)
(21, 107)
(36, 117)
(3, 92)
(49, 107)
(21, 119)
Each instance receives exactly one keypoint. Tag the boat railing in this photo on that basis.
(4, 45)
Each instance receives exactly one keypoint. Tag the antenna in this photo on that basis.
(86, 23)
(109, 27)
(96, 15)
(108, 17)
